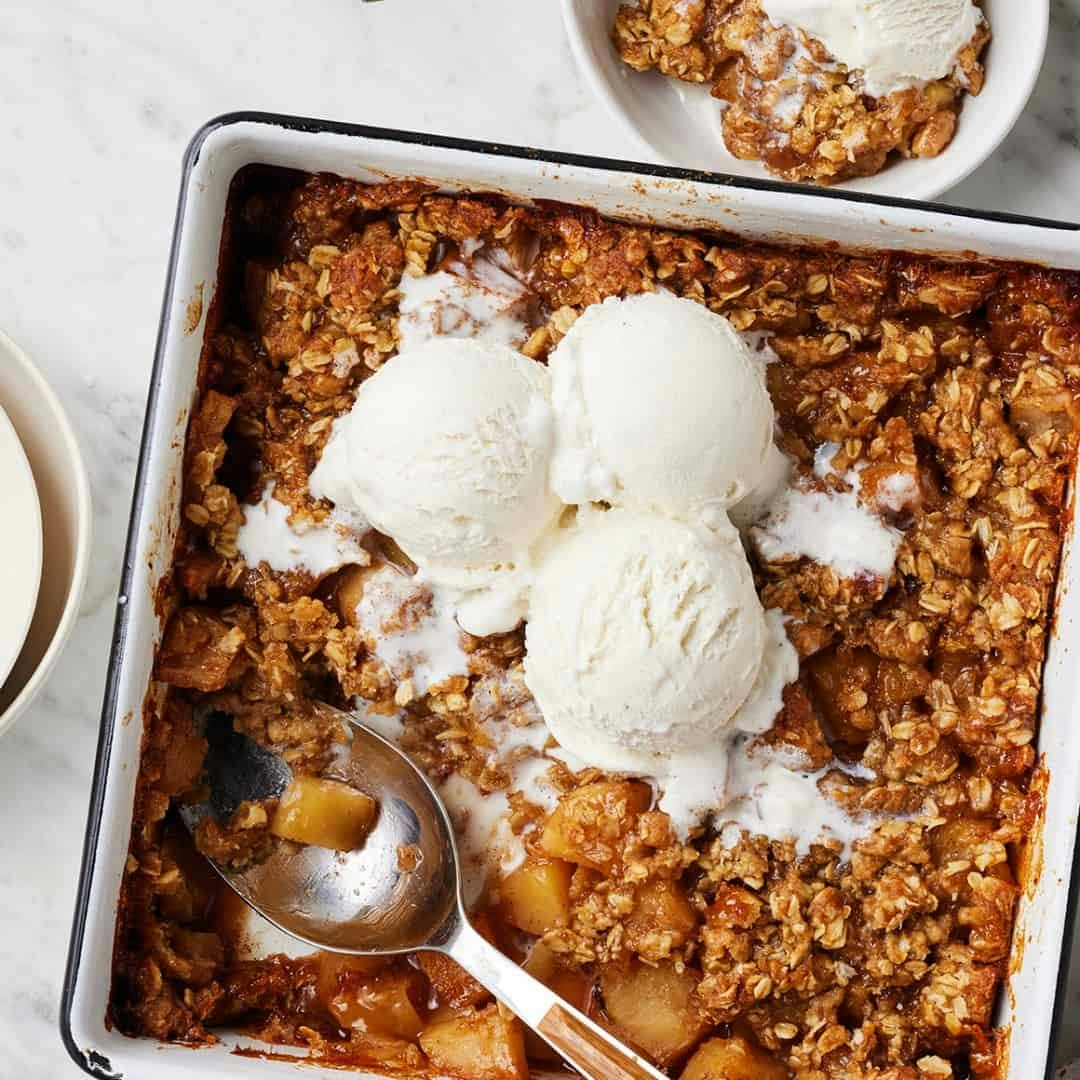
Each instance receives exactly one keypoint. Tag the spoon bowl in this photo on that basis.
(375, 902)
(361, 901)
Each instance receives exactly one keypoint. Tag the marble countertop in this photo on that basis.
(99, 100)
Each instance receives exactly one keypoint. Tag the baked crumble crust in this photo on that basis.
(784, 101)
(960, 379)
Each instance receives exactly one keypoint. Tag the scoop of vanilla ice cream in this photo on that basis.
(659, 404)
(645, 635)
(447, 450)
(895, 43)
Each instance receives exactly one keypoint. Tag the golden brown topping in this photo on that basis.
(951, 390)
(789, 104)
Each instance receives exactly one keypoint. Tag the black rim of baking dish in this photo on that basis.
(91, 1061)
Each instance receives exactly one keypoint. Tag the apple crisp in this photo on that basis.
(948, 393)
(783, 99)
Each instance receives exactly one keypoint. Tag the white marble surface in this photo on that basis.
(97, 101)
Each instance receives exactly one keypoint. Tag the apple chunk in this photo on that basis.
(484, 1045)
(589, 825)
(536, 896)
(733, 1059)
(368, 995)
(654, 1008)
(662, 920)
(324, 813)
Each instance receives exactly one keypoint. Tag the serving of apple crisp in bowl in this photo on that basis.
(710, 581)
(818, 92)
(902, 98)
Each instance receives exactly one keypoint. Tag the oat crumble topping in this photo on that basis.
(785, 101)
(953, 385)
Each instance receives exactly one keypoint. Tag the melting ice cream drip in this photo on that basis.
(832, 527)
(479, 296)
(268, 537)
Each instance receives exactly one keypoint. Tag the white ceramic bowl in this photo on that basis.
(64, 494)
(678, 124)
(20, 546)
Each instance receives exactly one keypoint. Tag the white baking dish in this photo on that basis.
(754, 209)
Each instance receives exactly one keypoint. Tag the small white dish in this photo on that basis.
(679, 124)
(20, 546)
(64, 497)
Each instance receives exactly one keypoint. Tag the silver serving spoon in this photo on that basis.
(364, 903)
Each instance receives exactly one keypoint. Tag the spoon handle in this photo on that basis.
(583, 1044)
